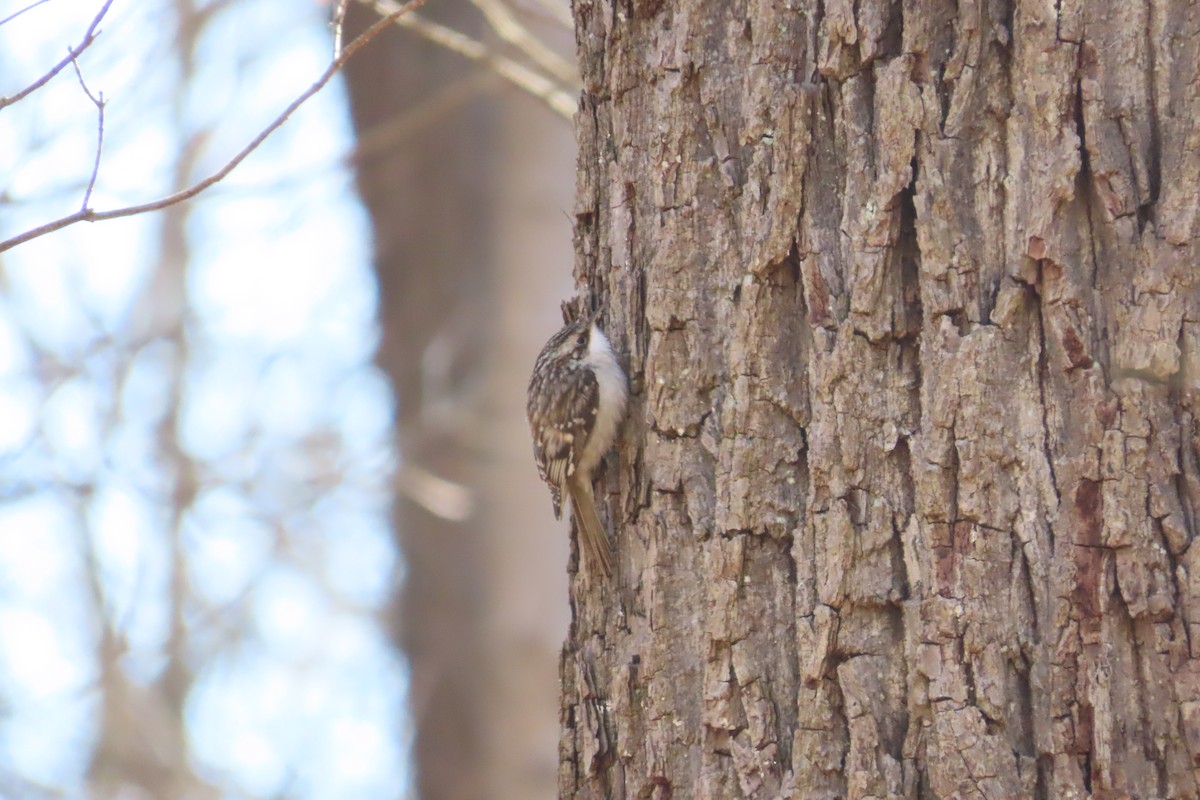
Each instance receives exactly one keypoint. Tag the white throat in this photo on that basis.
(614, 394)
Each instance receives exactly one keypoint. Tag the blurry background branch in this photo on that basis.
(195, 449)
(558, 89)
(471, 269)
(89, 36)
(199, 578)
(98, 102)
(86, 214)
(18, 13)
(556, 85)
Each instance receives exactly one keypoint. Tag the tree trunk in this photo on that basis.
(907, 498)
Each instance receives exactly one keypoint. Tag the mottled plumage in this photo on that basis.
(576, 399)
(570, 388)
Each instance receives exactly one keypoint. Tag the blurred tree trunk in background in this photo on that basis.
(469, 193)
(526, 548)
(907, 501)
(423, 189)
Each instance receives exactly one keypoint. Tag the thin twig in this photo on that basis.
(29, 7)
(369, 145)
(339, 20)
(554, 10)
(88, 37)
(88, 215)
(98, 102)
(508, 27)
(516, 73)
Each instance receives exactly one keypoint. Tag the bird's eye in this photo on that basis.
(580, 340)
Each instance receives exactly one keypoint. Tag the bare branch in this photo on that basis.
(88, 215)
(29, 7)
(98, 102)
(555, 10)
(516, 73)
(509, 28)
(72, 53)
(339, 20)
(437, 495)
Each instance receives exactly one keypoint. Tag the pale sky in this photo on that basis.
(289, 557)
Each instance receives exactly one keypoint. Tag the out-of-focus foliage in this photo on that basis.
(194, 446)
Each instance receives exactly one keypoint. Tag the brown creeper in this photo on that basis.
(576, 400)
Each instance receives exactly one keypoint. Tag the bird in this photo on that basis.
(575, 404)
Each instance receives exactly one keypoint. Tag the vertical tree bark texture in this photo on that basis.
(907, 502)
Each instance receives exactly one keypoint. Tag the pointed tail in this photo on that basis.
(592, 536)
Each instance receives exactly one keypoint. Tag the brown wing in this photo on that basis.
(568, 408)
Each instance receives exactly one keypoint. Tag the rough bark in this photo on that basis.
(907, 500)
